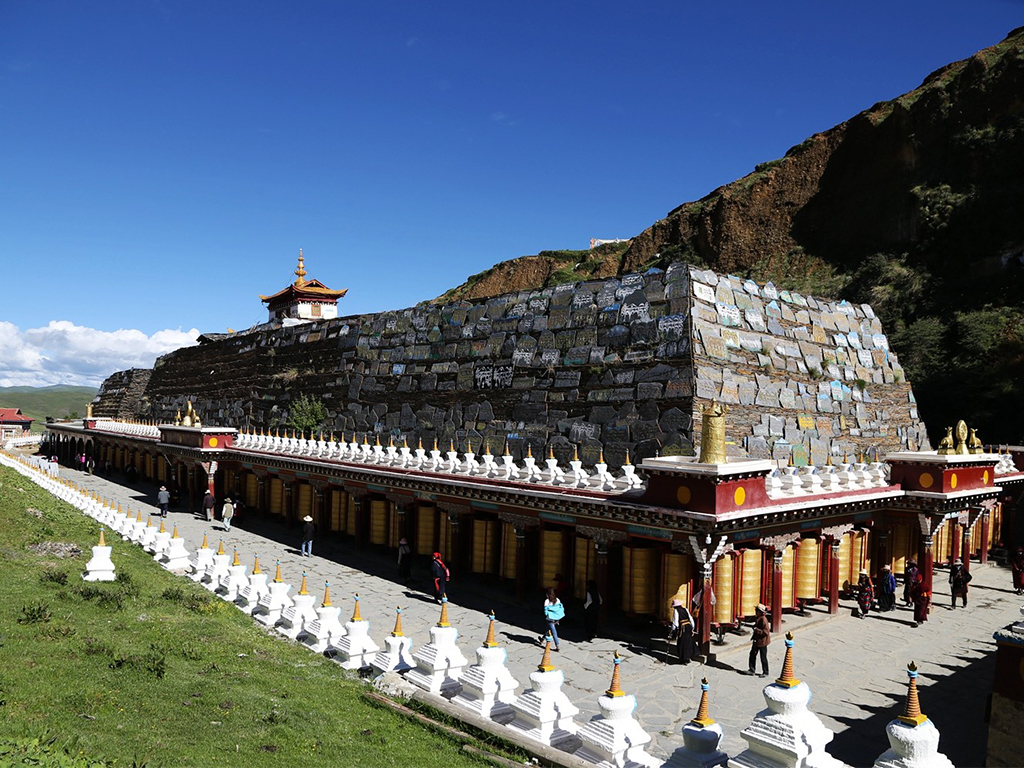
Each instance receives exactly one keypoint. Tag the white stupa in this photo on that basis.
(356, 649)
(913, 738)
(439, 662)
(202, 561)
(398, 656)
(100, 567)
(326, 629)
(176, 556)
(786, 734)
(294, 618)
(216, 570)
(250, 594)
(543, 712)
(271, 605)
(148, 535)
(488, 688)
(233, 581)
(614, 739)
(160, 542)
(702, 737)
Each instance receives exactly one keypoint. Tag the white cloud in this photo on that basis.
(64, 353)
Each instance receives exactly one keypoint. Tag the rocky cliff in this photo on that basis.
(912, 206)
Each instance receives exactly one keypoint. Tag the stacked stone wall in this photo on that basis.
(120, 396)
(615, 365)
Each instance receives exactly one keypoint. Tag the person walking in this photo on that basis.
(682, 630)
(404, 561)
(865, 594)
(591, 609)
(886, 589)
(909, 576)
(920, 597)
(308, 529)
(441, 576)
(163, 500)
(554, 612)
(760, 640)
(1017, 567)
(959, 578)
(226, 513)
(209, 503)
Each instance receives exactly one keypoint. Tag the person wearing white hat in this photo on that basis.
(226, 513)
(163, 500)
(759, 641)
(959, 578)
(308, 529)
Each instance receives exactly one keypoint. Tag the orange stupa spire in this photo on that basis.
(356, 616)
(615, 689)
(397, 631)
(490, 642)
(703, 718)
(545, 662)
(327, 595)
(912, 711)
(443, 621)
(787, 679)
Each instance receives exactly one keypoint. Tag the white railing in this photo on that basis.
(134, 428)
(795, 482)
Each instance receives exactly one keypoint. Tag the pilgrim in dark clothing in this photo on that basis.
(441, 576)
(760, 640)
(886, 589)
(865, 594)
(959, 578)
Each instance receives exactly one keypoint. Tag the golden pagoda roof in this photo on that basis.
(303, 288)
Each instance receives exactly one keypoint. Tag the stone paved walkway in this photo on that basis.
(855, 668)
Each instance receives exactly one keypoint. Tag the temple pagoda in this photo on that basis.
(304, 300)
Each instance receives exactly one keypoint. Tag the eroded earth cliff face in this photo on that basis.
(913, 206)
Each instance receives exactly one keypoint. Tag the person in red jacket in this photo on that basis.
(441, 576)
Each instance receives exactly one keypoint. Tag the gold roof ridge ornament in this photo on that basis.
(946, 444)
(961, 438)
(712, 433)
(974, 443)
(300, 271)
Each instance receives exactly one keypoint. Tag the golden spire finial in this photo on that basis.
(356, 616)
(575, 452)
(490, 642)
(162, 529)
(703, 718)
(443, 621)
(175, 534)
(277, 575)
(300, 271)
(149, 521)
(103, 541)
(506, 451)
(206, 544)
(451, 444)
(912, 711)
(256, 564)
(628, 462)
(487, 447)
(545, 662)
(138, 516)
(828, 460)
(327, 595)
(302, 589)
(790, 462)
(435, 443)
(235, 560)
(600, 457)
(405, 441)
(615, 689)
(397, 631)
(787, 679)
(529, 451)
(419, 444)
(220, 547)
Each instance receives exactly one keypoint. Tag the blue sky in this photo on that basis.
(162, 162)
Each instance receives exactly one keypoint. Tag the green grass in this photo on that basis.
(153, 669)
(39, 402)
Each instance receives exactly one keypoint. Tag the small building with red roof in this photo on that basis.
(303, 300)
(13, 423)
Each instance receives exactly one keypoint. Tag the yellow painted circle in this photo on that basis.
(984, 478)
(683, 495)
(926, 480)
(213, 442)
(739, 496)
(952, 480)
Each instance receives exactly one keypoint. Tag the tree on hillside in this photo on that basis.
(307, 413)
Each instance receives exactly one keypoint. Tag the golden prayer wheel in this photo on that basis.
(229, 482)
(447, 540)
(861, 553)
(148, 472)
(942, 544)
(724, 612)
(484, 533)
(339, 509)
(426, 520)
(584, 565)
(252, 491)
(303, 500)
(975, 538)
(676, 580)
(995, 522)
(552, 551)
(807, 584)
(846, 576)
(508, 551)
(161, 470)
(900, 548)
(639, 579)
(276, 496)
(789, 577)
(750, 581)
(378, 521)
(392, 525)
(350, 518)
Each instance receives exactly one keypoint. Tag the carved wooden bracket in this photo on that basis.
(706, 553)
(781, 541)
(455, 511)
(837, 531)
(518, 521)
(602, 535)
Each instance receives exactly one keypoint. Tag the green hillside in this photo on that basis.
(59, 401)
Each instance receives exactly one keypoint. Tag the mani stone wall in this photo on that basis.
(612, 365)
(120, 394)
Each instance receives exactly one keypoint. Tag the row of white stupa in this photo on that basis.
(787, 733)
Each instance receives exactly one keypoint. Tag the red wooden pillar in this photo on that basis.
(522, 577)
(985, 534)
(289, 506)
(261, 494)
(927, 568)
(955, 536)
(833, 576)
(704, 620)
(965, 548)
(776, 602)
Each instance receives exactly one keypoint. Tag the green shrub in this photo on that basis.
(34, 613)
(54, 576)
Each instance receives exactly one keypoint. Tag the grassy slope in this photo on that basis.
(229, 694)
(40, 402)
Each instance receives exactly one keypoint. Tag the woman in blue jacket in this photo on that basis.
(553, 611)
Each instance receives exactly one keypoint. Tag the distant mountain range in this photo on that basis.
(913, 206)
(59, 401)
